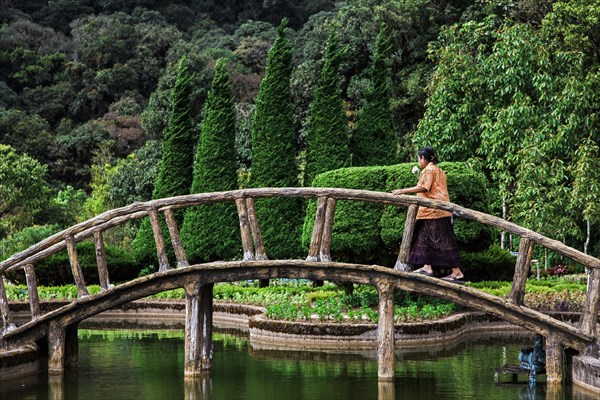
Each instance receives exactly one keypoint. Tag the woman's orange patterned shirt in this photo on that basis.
(433, 179)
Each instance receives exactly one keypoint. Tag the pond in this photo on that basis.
(129, 364)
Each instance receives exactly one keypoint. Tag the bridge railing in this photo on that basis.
(253, 247)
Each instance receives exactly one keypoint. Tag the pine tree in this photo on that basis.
(327, 144)
(273, 152)
(374, 140)
(175, 173)
(211, 232)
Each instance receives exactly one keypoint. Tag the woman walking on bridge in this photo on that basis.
(433, 241)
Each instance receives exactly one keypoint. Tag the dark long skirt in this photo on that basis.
(434, 243)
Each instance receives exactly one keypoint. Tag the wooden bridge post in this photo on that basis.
(34, 300)
(182, 260)
(260, 254)
(555, 360)
(62, 346)
(385, 331)
(409, 228)
(76, 267)
(588, 322)
(7, 324)
(198, 328)
(161, 252)
(101, 260)
(317, 233)
(245, 229)
(517, 292)
(325, 251)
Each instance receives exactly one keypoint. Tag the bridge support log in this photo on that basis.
(182, 260)
(245, 229)
(76, 267)
(7, 324)
(198, 328)
(260, 254)
(101, 260)
(588, 322)
(385, 331)
(517, 293)
(34, 300)
(555, 361)
(62, 347)
(407, 235)
(161, 252)
(317, 233)
(325, 251)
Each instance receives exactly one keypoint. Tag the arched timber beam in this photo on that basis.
(296, 269)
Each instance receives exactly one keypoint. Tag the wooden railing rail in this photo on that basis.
(253, 246)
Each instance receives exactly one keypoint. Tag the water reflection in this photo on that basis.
(198, 388)
(149, 365)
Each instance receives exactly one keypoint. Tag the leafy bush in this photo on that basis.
(493, 263)
(370, 233)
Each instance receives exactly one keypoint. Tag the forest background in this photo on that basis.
(510, 87)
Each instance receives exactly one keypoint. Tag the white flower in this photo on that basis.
(415, 170)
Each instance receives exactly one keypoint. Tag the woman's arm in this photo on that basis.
(414, 189)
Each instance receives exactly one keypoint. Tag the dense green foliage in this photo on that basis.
(327, 145)
(85, 91)
(370, 233)
(374, 140)
(175, 172)
(211, 232)
(23, 191)
(273, 158)
(523, 102)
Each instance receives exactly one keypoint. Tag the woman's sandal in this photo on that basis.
(422, 272)
(453, 279)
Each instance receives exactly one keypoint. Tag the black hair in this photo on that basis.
(428, 154)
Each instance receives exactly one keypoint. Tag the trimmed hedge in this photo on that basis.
(371, 233)
(56, 269)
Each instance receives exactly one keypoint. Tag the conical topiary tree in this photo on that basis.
(211, 232)
(327, 144)
(374, 140)
(175, 173)
(273, 152)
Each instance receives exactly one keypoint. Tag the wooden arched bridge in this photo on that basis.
(59, 327)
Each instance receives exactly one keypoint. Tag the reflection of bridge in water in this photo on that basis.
(59, 327)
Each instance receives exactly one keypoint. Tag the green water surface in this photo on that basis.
(149, 365)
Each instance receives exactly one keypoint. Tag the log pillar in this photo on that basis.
(260, 254)
(325, 251)
(34, 300)
(409, 228)
(7, 324)
(101, 261)
(517, 292)
(385, 331)
(161, 251)
(62, 347)
(76, 267)
(588, 322)
(245, 229)
(198, 328)
(555, 361)
(182, 260)
(317, 233)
